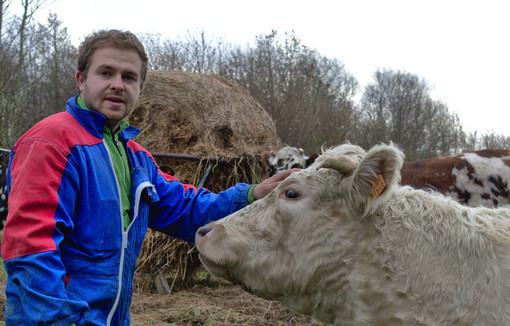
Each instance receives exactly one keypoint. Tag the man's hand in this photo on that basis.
(265, 187)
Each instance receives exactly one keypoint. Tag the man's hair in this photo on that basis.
(114, 38)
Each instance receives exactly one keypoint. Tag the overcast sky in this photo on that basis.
(461, 47)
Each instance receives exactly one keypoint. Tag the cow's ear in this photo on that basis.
(265, 156)
(311, 159)
(378, 172)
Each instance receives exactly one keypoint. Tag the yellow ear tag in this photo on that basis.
(378, 186)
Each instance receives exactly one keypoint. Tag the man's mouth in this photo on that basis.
(115, 100)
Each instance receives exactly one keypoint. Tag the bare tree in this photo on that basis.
(37, 72)
(6, 65)
(397, 107)
(29, 9)
(164, 55)
(4, 6)
(493, 141)
(309, 96)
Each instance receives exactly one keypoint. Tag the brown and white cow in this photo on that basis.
(477, 178)
(344, 242)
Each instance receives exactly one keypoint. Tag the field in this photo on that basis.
(214, 303)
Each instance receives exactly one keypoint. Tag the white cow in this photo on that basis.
(337, 243)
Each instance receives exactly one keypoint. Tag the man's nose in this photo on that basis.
(117, 83)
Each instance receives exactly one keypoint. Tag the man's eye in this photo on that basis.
(289, 193)
(130, 78)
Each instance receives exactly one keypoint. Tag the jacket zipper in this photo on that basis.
(138, 196)
(124, 240)
(116, 143)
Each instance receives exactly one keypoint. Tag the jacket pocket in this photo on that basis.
(143, 192)
(13, 315)
(98, 291)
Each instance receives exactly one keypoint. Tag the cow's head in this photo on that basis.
(287, 158)
(298, 241)
(4, 157)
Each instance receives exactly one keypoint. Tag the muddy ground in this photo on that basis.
(219, 303)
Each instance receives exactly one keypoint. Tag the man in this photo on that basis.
(82, 194)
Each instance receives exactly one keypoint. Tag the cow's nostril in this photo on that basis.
(201, 232)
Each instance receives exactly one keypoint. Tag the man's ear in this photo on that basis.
(80, 78)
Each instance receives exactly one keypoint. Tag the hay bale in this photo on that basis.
(181, 112)
(207, 116)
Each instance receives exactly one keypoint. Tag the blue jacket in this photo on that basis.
(67, 256)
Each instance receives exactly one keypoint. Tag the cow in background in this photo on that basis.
(344, 242)
(167, 169)
(287, 157)
(476, 178)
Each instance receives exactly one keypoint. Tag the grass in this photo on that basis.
(203, 277)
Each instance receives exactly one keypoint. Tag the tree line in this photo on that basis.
(311, 98)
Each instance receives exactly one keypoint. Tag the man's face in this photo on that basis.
(113, 83)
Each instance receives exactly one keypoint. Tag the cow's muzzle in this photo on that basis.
(201, 233)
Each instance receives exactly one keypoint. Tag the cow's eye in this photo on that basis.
(295, 165)
(289, 193)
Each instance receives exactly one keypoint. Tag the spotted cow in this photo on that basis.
(287, 157)
(476, 178)
(343, 242)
